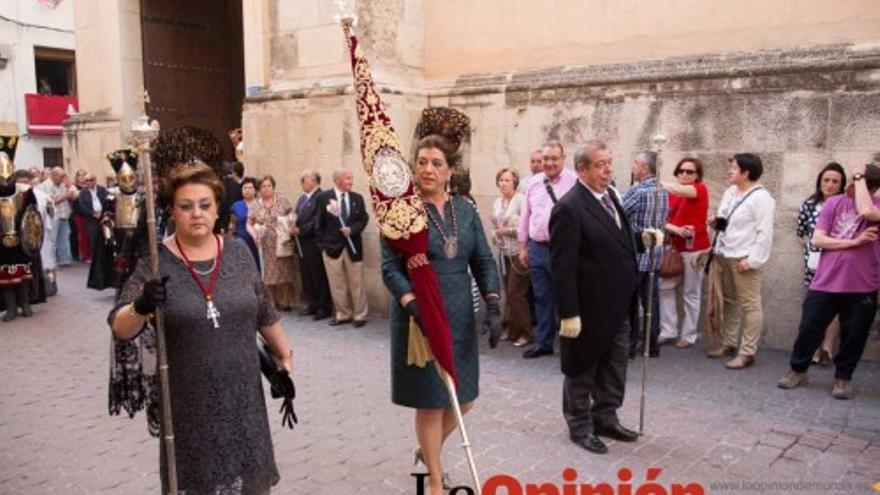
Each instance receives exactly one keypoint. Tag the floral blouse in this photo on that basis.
(806, 224)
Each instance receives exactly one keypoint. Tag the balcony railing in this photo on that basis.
(46, 113)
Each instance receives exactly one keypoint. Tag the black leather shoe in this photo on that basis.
(306, 312)
(591, 443)
(617, 432)
(359, 323)
(536, 352)
(321, 315)
(334, 322)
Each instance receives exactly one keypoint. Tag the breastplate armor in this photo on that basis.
(9, 207)
(127, 211)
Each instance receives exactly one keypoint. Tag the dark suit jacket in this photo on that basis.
(232, 193)
(328, 228)
(595, 274)
(84, 201)
(306, 221)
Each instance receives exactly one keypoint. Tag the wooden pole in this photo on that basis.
(144, 132)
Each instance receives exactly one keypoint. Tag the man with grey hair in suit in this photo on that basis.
(595, 276)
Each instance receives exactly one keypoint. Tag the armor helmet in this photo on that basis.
(124, 163)
(7, 155)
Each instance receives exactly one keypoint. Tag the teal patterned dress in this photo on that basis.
(416, 387)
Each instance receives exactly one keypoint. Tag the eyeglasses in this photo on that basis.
(686, 171)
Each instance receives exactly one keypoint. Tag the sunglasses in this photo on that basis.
(686, 171)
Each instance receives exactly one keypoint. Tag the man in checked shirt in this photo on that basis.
(643, 213)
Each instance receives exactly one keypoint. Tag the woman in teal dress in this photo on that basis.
(456, 242)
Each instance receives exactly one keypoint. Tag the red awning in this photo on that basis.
(47, 112)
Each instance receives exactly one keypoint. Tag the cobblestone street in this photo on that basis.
(705, 424)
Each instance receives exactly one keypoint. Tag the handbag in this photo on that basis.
(671, 265)
(284, 244)
(813, 260)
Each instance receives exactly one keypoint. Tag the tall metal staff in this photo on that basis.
(656, 238)
(403, 221)
(143, 132)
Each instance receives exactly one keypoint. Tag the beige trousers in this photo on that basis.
(742, 305)
(346, 279)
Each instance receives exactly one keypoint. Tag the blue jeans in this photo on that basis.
(545, 304)
(61, 231)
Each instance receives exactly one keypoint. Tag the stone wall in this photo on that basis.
(798, 109)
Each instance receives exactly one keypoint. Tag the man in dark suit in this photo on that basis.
(232, 194)
(90, 204)
(595, 276)
(341, 217)
(314, 278)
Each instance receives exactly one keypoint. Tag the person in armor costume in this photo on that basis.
(21, 237)
(123, 226)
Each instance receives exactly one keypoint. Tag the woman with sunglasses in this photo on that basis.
(688, 210)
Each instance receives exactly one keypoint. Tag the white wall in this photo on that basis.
(23, 25)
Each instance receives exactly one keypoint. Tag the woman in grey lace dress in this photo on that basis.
(214, 303)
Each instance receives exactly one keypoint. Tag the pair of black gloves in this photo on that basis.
(491, 324)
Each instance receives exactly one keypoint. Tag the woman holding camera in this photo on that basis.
(745, 226)
(688, 209)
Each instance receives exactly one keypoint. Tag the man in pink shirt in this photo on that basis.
(846, 281)
(542, 192)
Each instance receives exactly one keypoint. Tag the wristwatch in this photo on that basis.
(858, 176)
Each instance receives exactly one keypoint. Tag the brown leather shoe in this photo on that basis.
(792, 379)
(842, 390)
(721, 351)
(739, 362)
(683, 344)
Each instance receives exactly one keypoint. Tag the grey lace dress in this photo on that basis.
(222, 439)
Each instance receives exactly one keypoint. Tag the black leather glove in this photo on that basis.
(281, 386)
(152, 295)
(412, 309)
(492, 322)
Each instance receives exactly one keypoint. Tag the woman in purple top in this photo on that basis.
(830, 182)
(846, 281)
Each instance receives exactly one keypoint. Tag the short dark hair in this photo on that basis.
(872, 176)
(193, 173)
(23, 174)
(238, 168)
(460, 183)
(749, 163)
(249, 180)
(453, 157)
(831, 167)
(554, 144)
(698, 165)
(317, 176)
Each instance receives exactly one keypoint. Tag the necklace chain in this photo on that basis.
(209, 270)
(437, 224)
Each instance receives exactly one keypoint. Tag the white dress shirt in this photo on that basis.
(749, 231)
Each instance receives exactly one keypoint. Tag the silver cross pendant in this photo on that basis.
(213, 314)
